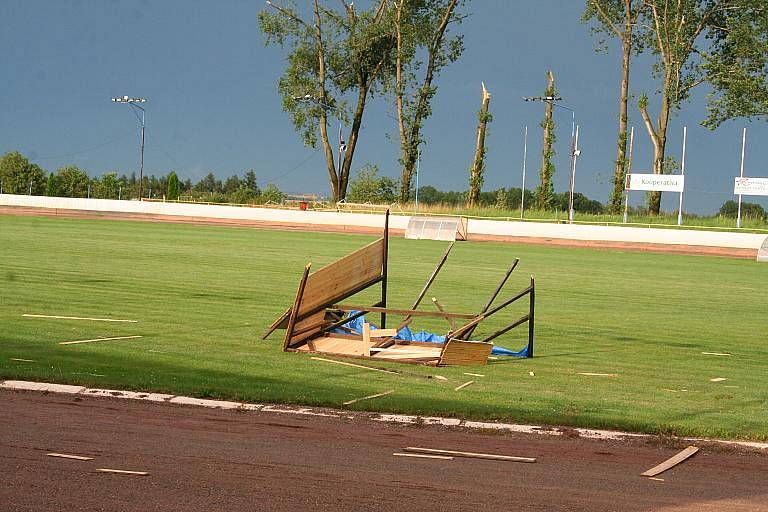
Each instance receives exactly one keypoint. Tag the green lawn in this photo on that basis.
(203, 295)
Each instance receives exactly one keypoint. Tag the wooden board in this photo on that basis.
(473, 455)
(343, 277)
(99, 339)
(671, 462)
(470, 353)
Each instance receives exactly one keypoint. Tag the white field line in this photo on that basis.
(99, 339)
(80, 318)
(386, 418)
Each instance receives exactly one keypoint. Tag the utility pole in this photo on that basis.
(133, 102)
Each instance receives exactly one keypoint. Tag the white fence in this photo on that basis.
(475, 226)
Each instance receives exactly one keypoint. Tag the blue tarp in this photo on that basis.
(405, 333)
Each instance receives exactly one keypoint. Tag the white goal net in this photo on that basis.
(762, 252)
(437, 228)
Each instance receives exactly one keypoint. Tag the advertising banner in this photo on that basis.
(751, 187)
(656, 182)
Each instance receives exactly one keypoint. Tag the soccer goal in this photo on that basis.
(762, 252)
(437, 228)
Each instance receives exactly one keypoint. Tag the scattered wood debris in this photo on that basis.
(422, 456)
(439, 377)
(472, 455)
(718, 379)
(654, 478)
(80, 318)
(353, 364)
(68, 456)
(671, 462)
(457, 388)
(474, 374)
(591, 374)
(100, 339)
(23, 360)
(531, 374)
(377, 395)
(122, 471)
(716, 354)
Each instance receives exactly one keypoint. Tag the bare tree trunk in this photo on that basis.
(478, 165)
(545, 191)
(323, 97)
(658, 136)
(354, 132)
(619, 173)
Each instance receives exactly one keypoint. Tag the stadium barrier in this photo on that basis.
(480, 227)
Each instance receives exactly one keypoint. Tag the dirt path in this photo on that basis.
(624, 246)
(201, 460)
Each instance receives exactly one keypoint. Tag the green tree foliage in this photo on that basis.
(369, 187)
(106, 187)
(249, 181)
(17, 174)
(477, 171)
(271, 194)
(71, 181)
(331, 54)
(722, 42)
(50, 186)
(174, 187)
(545, 192)
(748, 210)
(422, 47)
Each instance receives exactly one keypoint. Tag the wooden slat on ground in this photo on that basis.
(473, 455)
(377, 395)
(468, 353)
(99, 339)
(671, 462)
(69, 456)
(80, 318)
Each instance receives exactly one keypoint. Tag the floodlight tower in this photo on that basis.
(575, 151)
(133, 102)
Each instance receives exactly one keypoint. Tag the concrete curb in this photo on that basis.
(20, 385)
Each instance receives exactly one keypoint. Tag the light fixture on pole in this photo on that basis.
(133, 102)
(552, 100)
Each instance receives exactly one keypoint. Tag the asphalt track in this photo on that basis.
(202, 459)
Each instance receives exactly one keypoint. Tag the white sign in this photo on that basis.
(656, 182)
(751, 186)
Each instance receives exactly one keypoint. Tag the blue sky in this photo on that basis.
(213, 104)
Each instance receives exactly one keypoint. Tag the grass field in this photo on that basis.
(203, 295)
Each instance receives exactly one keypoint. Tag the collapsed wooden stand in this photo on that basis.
(317, 311)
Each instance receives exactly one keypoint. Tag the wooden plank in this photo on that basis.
(280, 323)
(440, 307)
(411, 312)
(355, 365)
(671, 462)
(68, 456)
(366, 341)
(122, 471)
(295, 308)
(338, 280)
(377, 395)
(487, 456)
(383, 333)
(99, 339)
(457, 388)
(80, 318)
(591, 374)
(422, 456)
(474, 374)
(716, 354)
(23, 360)
(468, 353)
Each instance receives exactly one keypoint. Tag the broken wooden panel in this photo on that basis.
(467, 353)
(343, 277)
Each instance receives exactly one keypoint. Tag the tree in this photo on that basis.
(71, 181)
(748, 210)
(369, 187)
(617, 18)
(420, 26)
(173, 186)
(107, 187)
(546, 190)
(209, 183)
(698, 41)
(250, 181)
(231, 184)
(478, 163)
(332, 55)
(271, 194)
(737, 66)
(17, 174)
